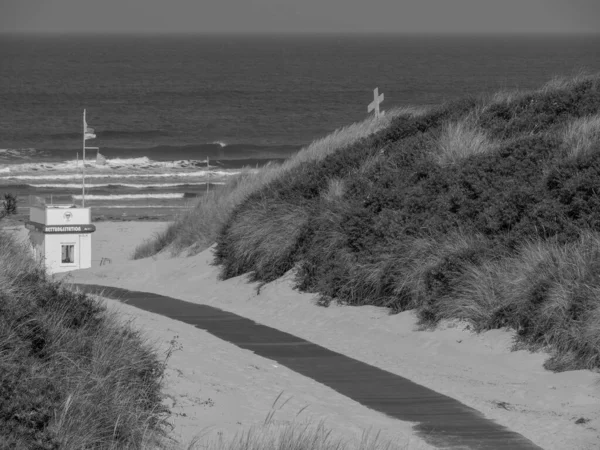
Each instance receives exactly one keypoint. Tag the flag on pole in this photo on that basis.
(100, 159)
(88, 131)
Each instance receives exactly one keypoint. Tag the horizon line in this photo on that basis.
(297, 33)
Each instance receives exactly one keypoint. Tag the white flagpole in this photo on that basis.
(83, 163)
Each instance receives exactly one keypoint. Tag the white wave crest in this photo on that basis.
(221, 143)
(77, 176)
(145, 206)
(23, 153)
(127, 185)
(128, 196)
(143, 163)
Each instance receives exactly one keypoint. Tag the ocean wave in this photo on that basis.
(144, 206)
(11, 154)
(118, 185)
(142, 162)
(187, 156)
(88, 176)
(108, 134)
(128, 133)
(131, 196)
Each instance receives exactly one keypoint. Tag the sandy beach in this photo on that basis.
(213, 386)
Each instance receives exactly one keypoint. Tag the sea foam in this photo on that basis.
(95, 175)
(129, 196)
(117, 185)
(142, 163)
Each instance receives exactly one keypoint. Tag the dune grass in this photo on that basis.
(461, 139)
(296, 434)
(582, 136)
(73, 375)
(198, 228)
(435, 212)
(293, 436)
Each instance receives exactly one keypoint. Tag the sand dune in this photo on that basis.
(212, 383)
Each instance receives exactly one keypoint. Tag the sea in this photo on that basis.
(176, 116)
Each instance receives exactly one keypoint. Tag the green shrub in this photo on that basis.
(71, 374)
(9, 205)
(198, 228)
(433, 202)
(304, 186)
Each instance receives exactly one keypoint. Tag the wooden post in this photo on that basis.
(374, 105)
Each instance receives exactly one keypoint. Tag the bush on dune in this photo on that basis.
(539, 111)
(268, 236)
(72, 375)
(551, 296)
(198, 228)
(433, 213)
(304, 186)
(582, 136)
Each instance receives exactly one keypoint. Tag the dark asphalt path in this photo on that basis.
(441, 421)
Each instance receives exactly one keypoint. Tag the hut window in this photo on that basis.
(68, 254)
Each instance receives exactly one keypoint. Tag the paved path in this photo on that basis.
(441, 421)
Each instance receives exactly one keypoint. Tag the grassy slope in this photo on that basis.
(481, 209)
(71, 375)
(198, 228)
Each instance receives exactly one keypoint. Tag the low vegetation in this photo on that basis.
(75, 376)
(297, 434)
(294, 436)
(72, 376)
(198, 228)
(483, 209)
(9, 206)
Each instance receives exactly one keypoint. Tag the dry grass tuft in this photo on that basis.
(582, 136)
(335, 190)
(291, 435)
(553, 294)
(548, 292)
(294, 435)
(267, 234)
(462, 139)
(506, 96)
(559, 83)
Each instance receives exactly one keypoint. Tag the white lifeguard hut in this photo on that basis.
(60, 234)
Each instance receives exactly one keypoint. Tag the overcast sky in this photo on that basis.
(301, 15)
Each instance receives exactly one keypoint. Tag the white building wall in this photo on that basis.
(53, 251)
(85, 251)
(37, 214)
(47, 246)
(38, 247)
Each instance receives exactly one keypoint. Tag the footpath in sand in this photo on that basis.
(215, 386)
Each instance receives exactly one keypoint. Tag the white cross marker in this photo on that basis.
(374, 105)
